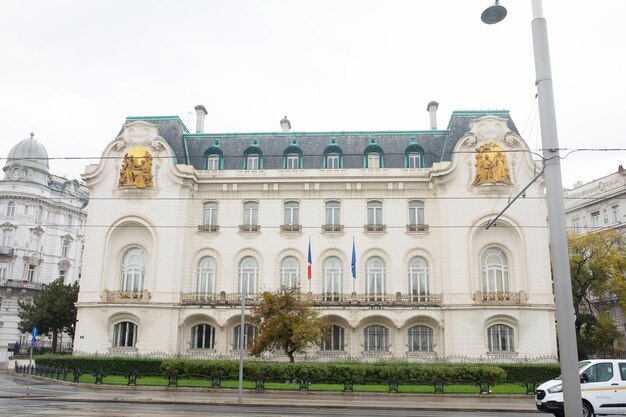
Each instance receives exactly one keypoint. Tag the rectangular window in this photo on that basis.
(595, 220)
(332, 160)
(416, 212)
(253, 161)
(35, 240)
(576, 224)
(292, 213)
(293, 161)
(4, 270)
(209, 214)
(213, 162)
(414, 160)
(333, 212)
(7, 237)
(615, 213)
(373, 160)
(374, 213)
(65, 248)
(26, 210)
(68, 220)
(250, 213)
(30, 275)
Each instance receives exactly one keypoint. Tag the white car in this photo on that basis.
(602, 384)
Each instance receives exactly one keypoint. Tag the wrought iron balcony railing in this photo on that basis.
(417, 228)
(375, 227)
(481, 297)
(290, 227)
(6, 251)
(249, 227)
(208, 228)
(320, 299)
(332, 227)
(118, 296)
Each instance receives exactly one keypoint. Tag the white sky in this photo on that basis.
(71, 71)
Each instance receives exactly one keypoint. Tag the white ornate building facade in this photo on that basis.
(42, 225)
(179, 223)
(595, 206)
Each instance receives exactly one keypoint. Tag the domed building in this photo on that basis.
(41, 226)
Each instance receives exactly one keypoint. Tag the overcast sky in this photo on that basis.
(71, 71)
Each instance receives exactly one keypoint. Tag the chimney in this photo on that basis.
(432, 110)
(200, 114)
(285, 125)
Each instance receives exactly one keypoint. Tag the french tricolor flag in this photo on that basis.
(309, 268)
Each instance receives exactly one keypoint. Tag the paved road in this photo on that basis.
(47, 398)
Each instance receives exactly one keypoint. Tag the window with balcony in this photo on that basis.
(7, 237)
(11, 209)
(333, 217)
(209, 217)
(249, 332)
(250, 217)
(30, 273)
(376, 339)
(418, 278)
(292, 213)
(4, 270)
(290, 272)
(420, 339)
(248, 275)
(133, 270)
(595, 220)
(125, 334)
(205, 275)
(495, 271)
(375, 277)
(333, 338)
(203, 336)
(332, 271)
(375, 217)
(500, 338)
(416, 217)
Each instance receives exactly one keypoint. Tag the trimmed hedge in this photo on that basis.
(354, 371)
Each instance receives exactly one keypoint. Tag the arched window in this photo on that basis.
(373, 157)
(253, 158)
(416, 212)
(375, 275)
(11, 209)
(332, 271)
(333, 338)
(420, 339)
(205, 275)
(376, 338)
(214, 159)
(133, 270)
(209, 214)
(249, 332)
(203, 336)
(333, 157)
(248, 275)
(414, 156)
(290, 272)
(495, 271)
(418, 278)
(125, 334)
(292, 158)
(500, 338)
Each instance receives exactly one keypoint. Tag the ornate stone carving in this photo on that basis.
(136, 170)
(157, 146)
(119, 145)
(491, 165)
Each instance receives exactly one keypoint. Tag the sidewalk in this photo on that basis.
(382, 401)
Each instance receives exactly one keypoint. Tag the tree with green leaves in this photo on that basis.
(285, 321)
(52, 311)
(598, 266)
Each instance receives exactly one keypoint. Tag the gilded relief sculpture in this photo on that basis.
(136, 169)
(491, 165)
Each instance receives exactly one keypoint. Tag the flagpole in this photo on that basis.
(353, 265)
(310, 265)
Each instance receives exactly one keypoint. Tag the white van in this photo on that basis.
(602, 384)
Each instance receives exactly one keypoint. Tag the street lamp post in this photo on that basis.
(241, 343)
(565, 316)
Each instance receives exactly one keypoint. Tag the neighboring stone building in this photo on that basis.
(595, 206)
(42, 226)
(179, 222)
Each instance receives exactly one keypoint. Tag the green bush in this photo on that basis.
(94, 363)
(537, 373)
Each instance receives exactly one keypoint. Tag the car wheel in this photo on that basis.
(587, 409)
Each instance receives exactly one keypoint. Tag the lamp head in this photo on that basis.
(493, 14)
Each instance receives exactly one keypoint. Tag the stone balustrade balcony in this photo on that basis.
(125, 297)
(500, 298)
